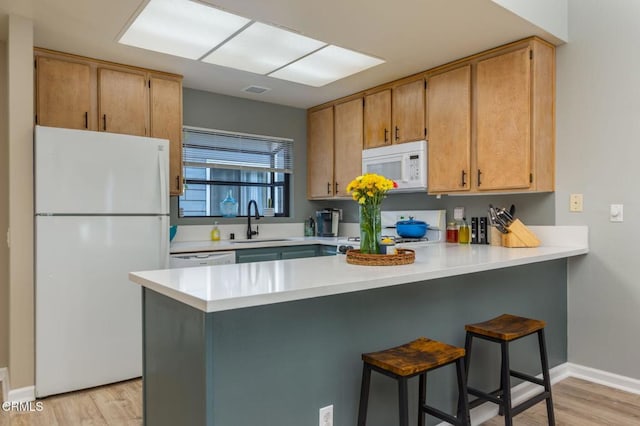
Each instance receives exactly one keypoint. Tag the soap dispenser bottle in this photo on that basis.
(215, 232)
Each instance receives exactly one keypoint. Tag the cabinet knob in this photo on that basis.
(104, 122)
(329, 188)
(386, 135)
(464, 175)
(397, 134)
(336, 187)
(86, 119)
(178, 182)
(479, 174)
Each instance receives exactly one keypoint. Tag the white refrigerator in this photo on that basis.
(101, 211)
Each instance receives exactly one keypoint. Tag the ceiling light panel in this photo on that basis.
(262, 48)
(325, 66)
(181, 27)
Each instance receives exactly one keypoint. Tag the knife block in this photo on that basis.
(519, 236)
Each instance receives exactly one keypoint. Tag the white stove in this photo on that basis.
(436, 231)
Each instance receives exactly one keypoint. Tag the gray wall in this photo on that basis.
(4, 212)
(598, 128)
(215, 111)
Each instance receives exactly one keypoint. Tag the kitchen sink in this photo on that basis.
(260, 240)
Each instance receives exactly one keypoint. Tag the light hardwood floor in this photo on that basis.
(117, 404)
(577, 403)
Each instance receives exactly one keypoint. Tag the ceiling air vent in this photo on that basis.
(256, 89)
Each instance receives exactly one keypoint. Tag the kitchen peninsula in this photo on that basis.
(272, 342)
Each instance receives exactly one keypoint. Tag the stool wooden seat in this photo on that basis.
(415, 358)
(506, 327)
(503, 330)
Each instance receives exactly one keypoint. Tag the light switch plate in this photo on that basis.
(616, 213)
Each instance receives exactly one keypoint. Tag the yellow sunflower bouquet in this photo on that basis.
(369, 190)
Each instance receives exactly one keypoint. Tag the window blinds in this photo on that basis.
(219, 149)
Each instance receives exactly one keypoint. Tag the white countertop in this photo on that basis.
(225, 287)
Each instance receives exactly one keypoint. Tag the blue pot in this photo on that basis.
(411, 228)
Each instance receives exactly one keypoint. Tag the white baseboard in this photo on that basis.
(25, 394)
(611, 380)
(4, 378)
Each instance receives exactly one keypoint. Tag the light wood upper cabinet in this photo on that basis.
(490, 116)
(449, 130)
(122, 102)
(165, 108)
(408, 112)
(77, 92)
(320, 153)
(348, 125)
(377, 119)
(503, 90)
(63, 93)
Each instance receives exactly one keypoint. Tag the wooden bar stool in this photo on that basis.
(412, 359)
(505, 329)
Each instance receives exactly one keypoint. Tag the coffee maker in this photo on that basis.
(327, 222)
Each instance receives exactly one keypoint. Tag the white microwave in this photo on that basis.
(405, 163)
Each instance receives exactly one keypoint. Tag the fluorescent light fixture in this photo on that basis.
(193, 30)
(181, 28)
(262, 48)
(325, 66)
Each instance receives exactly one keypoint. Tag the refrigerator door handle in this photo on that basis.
(164, 242)
(164, 186)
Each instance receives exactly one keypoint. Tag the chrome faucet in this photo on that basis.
(251, 232)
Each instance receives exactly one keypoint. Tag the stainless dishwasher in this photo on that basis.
(187, 260)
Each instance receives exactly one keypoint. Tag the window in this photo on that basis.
(247, 167)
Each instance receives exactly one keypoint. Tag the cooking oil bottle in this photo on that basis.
(464, 233)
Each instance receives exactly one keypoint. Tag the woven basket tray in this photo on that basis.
(403, 257)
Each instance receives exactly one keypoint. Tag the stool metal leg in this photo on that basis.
(364, 395)
(403, 401)
(422, 398)
(545, 376)
(463, 398)
(468, 341)
(505, 384)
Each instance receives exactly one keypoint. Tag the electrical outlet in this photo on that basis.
(575, 203)
(458, 213)
(326, 416)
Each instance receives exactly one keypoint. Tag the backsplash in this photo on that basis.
(267, 230)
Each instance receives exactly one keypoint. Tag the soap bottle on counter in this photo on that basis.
(215, 232)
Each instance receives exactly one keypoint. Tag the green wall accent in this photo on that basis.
(279, 364)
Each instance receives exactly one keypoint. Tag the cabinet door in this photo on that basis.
(320, 154)
(63, 93)
(299, 252)
(347, 145)
(449, 127)
(504, 121)
(377, 119)
(166, 123)
(122, 102)
(258, 255)
(408, 112)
